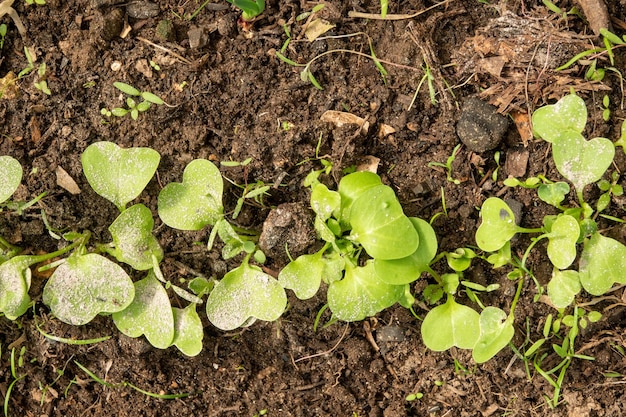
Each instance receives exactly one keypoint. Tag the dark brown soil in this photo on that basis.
(236, 103)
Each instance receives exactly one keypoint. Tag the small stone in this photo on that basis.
(480, 127)
(142, 9)
(198, 37)
(289, 225)
(112, 24)
(516, 162)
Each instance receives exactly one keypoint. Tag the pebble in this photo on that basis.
(142, 9)
(112, 24)
(480, 127)
(198, 37)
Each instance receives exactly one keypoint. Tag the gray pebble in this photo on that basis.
(480, 127)
(142, 9)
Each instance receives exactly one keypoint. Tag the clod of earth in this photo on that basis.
(480, 128)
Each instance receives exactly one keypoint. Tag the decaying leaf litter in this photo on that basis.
(226, 113)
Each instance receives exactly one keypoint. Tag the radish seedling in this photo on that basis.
(117, 174)
(249, 8)
(11, 171)
(363, 217)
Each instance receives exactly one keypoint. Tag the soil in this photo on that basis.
(231, 98)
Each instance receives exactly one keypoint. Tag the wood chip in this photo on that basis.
(65, 181)
(341, 118)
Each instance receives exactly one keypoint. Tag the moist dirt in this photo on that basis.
(230, 98)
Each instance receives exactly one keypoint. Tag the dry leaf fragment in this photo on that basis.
(522, 123)
(65, 181)
(385, 130)
(341, 118)
(317, 28)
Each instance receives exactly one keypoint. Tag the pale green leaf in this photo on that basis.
(149, 314)
(86, 285)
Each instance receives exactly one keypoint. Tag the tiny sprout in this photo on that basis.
(415, 396)
(134, 107)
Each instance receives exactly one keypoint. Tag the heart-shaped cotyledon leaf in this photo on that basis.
(188, 330)
(361, 294)
(149, 314)
(602, 263)
(350, 188)
(498, 225)
(133, 240)
(197, 201)
(496, 331)
(569, 113)
(244, 295)
(451, 324)
(562, 240)
(118, 174)
(380, 225)
(406, 270)
(15, 278)
(582, 161)
(303, 275)
(11, 174)
(86, 285)
(563, 287)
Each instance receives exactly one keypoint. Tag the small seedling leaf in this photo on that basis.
(303, 275)
(243, 295)
(379, 224)
(152, 98)
(562, 238)
(128, 89)
(602, 263)
(563, 287)
(15, 277)
(451, 324)
(498, 225)
(11, 172)
(149, 314)
(406, 270)
(188, 331)
(554, 193)
(361, 294)
(117, 174)
(351, 187)
(569, 113)
(324, 201)
(85, 286)
(197, 201)
(496, 331)
(133, 239)
(580, 161)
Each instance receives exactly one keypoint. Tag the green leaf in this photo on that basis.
(133, 239)
(11, 172)
(498, 225)
(303, 275)
(361, 294)
(351, 187)
(451, 324)
(233, 243)
(323, 201)
(117, 174)
(15, 278)
(580, 161)
(406, 270)
(496, 331)
(86, 285)
(602, 263)
(569, 113)
(152, 98)
(197, 201)
(562, 238)
(554, 193)
(188, 330)
(243, 295)
(563, 287)
(128, 89)
(380, 226)
(149, 314)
